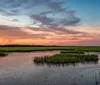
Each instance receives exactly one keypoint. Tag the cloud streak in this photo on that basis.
(45, 36)
(43, 12)
(50, 21)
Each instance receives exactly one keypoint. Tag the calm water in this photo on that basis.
(19, 69)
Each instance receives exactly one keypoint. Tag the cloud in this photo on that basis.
(46, 12)
(58, 31)
(43, 12)
(32, 32)
(50, 16)
(7, 13)
(15, 20)
(70, 22)
(42, 19)
(34, 35)
(54, 5)
(10, 32)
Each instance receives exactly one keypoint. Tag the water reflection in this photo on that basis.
(64, 64)
(19, 69)
(42, 62)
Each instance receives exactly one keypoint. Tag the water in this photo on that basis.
(19, 69)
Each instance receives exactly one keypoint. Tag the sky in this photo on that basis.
(50, 22)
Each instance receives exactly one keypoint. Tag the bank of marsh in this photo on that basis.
(72, 52)
(66, 58)
(3, 54)
(29, 48)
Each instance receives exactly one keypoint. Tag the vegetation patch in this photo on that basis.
(29, 48)
(72, 52)
(3, 54)
(66, 57)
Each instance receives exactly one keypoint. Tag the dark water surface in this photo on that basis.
(19, 69)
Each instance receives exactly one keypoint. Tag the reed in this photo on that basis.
(48, 48)
(66, 58)
(3, 54)
(73, 52)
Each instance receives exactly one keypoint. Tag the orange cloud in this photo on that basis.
(16, 35)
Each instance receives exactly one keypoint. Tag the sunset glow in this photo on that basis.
(50, 22)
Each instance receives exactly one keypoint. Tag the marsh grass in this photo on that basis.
(72, 52)
(66, 58)
(48, 48)
(3, 54)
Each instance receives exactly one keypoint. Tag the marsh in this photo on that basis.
(18, 68)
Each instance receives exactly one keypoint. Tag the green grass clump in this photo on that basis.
(48, 48)
(66, 58)
(3, 54)
(72, 52)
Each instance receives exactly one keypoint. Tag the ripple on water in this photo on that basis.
(19, 69)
